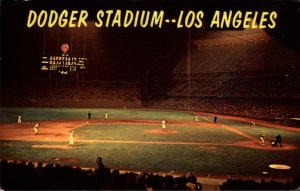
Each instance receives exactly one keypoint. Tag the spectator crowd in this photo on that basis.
(28, 176)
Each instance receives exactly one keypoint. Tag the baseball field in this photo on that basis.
(133, 140)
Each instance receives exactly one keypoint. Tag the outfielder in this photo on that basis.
(106, 115)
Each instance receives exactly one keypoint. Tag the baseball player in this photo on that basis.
(253, 124)
(89, 115)
(19, 119)
(106, 115)
(215, 119)
(196, 118)
(278, 140)
(163, 125)
(262, 138)
(36, 128)
(72, 137)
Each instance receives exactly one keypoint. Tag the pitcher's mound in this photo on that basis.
(159, 131)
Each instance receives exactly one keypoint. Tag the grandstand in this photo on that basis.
(89, 94)
(237, 51)
(237, 70)
(241, 66)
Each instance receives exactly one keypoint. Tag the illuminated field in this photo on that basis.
(132, 140)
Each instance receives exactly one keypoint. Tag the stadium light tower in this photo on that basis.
(188, 53)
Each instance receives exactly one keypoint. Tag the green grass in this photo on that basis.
(270, 133)
(39, 114)
(128, 132)
(182, 158)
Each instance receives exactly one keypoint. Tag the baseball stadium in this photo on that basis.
(149, 108)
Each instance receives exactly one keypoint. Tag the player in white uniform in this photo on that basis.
(36, 128)
(196, 118)
(19, 119)
(163, 125)
(72, 137)
(253, 124)
(262, 138)
(106, 115)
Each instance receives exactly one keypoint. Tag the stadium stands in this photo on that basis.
(239, 73)
(279, 86)
(28, 176)
(265, 109)
(238, 53)
(232, 184)
(95, 94)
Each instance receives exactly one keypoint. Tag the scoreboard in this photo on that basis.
(64, 64)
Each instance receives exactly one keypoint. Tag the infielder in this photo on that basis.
(163, 125)
(19, 119)
(196, 118)
(72, 137)
(253, 124)
(36, 128)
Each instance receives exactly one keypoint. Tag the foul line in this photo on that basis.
(247, 136)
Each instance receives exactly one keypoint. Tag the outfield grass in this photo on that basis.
(212, 159)
(40, 114)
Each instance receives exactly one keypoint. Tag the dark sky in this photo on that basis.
(130, 54)
(112, 53)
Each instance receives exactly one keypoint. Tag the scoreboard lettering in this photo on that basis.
(64, 64)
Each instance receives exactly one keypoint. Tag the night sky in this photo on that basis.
(131, 54)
